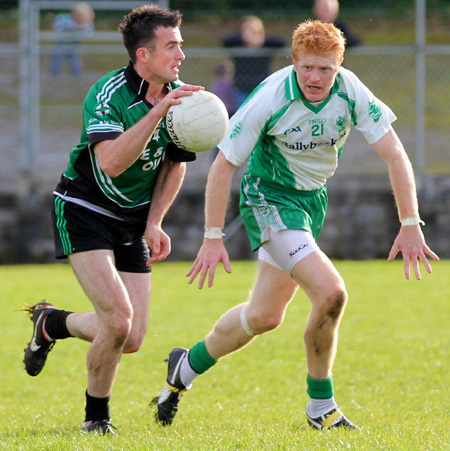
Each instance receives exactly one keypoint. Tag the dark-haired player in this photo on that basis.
(110, 203)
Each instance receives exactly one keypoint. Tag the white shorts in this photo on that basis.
(285, 248)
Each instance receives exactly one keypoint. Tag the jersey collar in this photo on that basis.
(139, 85)
(291, 86)
(136, 82)
(293, 91)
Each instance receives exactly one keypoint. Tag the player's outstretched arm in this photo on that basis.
(216, 199)
(410, 240)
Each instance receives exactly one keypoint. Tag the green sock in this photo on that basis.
(320, 388)
(199, 358)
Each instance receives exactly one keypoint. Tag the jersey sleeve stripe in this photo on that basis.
(109, 85)
(102, 128)
(112, 91)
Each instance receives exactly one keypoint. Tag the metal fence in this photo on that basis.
(40, 114)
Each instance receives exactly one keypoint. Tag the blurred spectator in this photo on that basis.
(328, 11)
(223, 85)
(71, 29)
(224, 88)
(250, 69)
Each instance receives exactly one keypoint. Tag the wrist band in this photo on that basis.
(213, 233)
(413, 220)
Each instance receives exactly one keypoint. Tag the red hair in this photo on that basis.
(314, 36)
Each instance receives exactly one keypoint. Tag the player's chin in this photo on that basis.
(314, 95)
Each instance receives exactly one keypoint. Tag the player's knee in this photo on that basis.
(121, 328)
(133, 344)
(264, 322)
(131, 347)
(335, 302)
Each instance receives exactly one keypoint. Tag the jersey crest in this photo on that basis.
(340, 124)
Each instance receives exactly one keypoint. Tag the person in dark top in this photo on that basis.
(328, 11)
(223, 85)
(252, 66)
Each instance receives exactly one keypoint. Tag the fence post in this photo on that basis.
(420, 84)
(26, 95)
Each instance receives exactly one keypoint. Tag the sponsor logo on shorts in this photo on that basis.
(300, 248)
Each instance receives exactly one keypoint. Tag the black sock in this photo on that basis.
(97, 409)
(55, 324)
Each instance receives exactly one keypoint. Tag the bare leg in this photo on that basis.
(272, 292)
(85, 325)
(139, 290)
(326, 290)
(110, 326)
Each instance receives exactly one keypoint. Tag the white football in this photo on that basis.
(198, 123)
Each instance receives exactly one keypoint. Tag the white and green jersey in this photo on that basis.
(293, 143)
(113, 105)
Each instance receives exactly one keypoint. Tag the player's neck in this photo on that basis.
(157, 88)
(156, 92)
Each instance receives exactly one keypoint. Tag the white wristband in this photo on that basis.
(413, 220)
(213, 233)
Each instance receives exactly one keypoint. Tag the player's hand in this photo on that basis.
(210, 254)
(159, 243)
(411, 243)
(174, 98)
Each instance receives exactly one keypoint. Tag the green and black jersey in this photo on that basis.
(113, 105)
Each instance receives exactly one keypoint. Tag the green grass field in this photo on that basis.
(391, 376)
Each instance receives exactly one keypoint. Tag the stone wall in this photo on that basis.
(361, 221)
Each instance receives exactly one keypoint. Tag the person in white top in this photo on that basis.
(292, 130)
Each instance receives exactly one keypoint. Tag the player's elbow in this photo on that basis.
(110, 168)
(108, 159)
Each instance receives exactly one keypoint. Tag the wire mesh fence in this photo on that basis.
(41, 117)
(390, 76)
(389, 71)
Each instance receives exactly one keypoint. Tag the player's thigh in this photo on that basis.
(318, 277)
(138, 286)
(287, 247)
(272, 291)
(98, 276)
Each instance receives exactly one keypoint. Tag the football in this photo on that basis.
(198, 123)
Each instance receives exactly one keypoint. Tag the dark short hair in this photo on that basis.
(138, 27)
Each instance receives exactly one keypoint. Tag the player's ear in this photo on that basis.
(143, 54)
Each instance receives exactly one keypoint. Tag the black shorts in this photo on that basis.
(79, 229)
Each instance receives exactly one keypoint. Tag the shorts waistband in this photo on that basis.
(283, 189)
